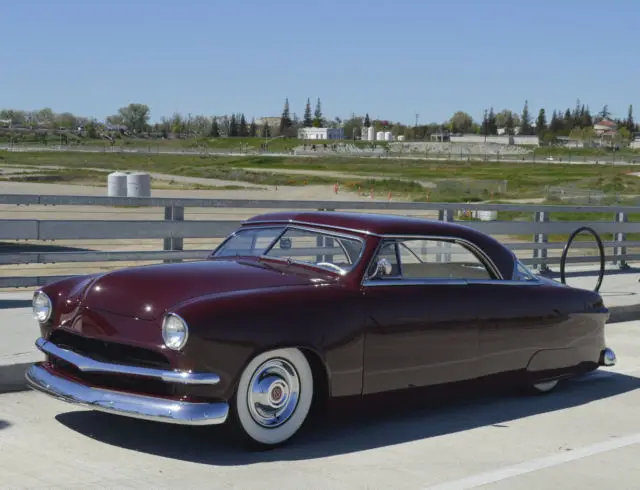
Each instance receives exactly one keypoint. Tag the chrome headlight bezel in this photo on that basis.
(38, 297)
(175, 331)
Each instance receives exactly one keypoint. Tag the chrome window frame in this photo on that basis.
(287, 225)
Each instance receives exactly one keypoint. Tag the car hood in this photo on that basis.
(147, 292)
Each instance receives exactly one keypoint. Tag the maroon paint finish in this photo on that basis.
(368, 338)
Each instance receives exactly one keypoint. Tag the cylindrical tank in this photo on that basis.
(117, 184)
(138, 185)
(380, 135)
(371, 133)
(487, 215)
(400, 137)
(388, 136)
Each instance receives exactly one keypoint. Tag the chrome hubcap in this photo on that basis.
(273, 393)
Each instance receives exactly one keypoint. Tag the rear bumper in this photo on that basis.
(131, 405)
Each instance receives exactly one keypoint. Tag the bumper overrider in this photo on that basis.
(42, 378)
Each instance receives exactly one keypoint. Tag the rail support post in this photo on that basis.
(173, 213)
(620, 237)
(539, 238)
(444, 215)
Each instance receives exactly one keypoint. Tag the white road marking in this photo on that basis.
(537, 464)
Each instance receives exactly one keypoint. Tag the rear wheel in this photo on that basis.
(274, 397)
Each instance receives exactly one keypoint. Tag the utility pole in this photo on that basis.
(415, 128)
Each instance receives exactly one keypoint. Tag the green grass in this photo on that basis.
(581, 154)
(470, 181)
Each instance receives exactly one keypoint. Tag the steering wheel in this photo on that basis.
(329, 264)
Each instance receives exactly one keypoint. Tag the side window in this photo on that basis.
(435, 259)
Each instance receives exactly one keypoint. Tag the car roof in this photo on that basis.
(389, 224)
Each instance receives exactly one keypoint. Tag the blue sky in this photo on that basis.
(390, 59)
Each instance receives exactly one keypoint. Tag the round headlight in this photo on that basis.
(41, 307)
(174, 331)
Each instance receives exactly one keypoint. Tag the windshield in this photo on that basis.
(335, 252)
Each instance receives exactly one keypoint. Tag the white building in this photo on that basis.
(321, 133)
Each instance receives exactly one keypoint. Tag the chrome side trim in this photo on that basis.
(130, 405)
(88, 365)
(414, 282)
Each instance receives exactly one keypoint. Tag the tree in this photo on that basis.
(492, 122)
(242, 127)
(509, 124)
(214, 132)
(503, 115)
(604, 112)
(307, 121)
(253, 128)
(135, 117)
(285, 118)
(367, 121)
(91, 130)
(233, 126)
(525, 120)
(318, 121)
(460, 122)
(630, 123)
(541, 123)
(353, 126)
(266, 131)
(484, 128)
(555, 125)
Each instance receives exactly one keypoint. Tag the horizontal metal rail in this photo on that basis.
(174, 229)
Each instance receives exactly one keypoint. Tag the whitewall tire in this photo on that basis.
(274, 396)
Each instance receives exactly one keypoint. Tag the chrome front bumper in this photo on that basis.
(128, 404)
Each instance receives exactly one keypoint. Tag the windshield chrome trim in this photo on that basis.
(286, 225)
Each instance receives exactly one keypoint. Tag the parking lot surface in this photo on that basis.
(584, 435)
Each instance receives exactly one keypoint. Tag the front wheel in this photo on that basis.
(274, 396)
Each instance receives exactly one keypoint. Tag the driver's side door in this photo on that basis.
(425, 324)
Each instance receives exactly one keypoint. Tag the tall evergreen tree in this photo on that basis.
(253, 128)
(367, 121)
(266, 131)
(509, 124)
(285, 118)
(484, 128)
(492, 125)
(525, 124)
(630, 123)
(215, 131)
(317, 115)
(541, 122)
(604, 112)
(555, 125)
(242, 127)
(233, 126)
(307, 121)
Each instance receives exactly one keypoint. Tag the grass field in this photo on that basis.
(456, 181)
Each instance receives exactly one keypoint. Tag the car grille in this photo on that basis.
(112, 352)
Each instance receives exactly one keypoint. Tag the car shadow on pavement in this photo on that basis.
(4, 424)
(351, 430)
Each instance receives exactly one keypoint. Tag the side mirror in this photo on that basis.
(383, 268)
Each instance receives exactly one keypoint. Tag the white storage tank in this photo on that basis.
(487, 215)
(400, 137)
(371, 133)
(117, 184)
(138, 184)
(380, 135)
(388, 136)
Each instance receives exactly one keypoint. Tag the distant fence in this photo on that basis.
(173, 229)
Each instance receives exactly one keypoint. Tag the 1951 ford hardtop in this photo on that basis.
(295, 308)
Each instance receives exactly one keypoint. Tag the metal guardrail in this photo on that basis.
(174, 228)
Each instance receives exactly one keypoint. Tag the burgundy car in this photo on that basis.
(296, 308)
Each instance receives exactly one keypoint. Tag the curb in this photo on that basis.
(12, 376)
